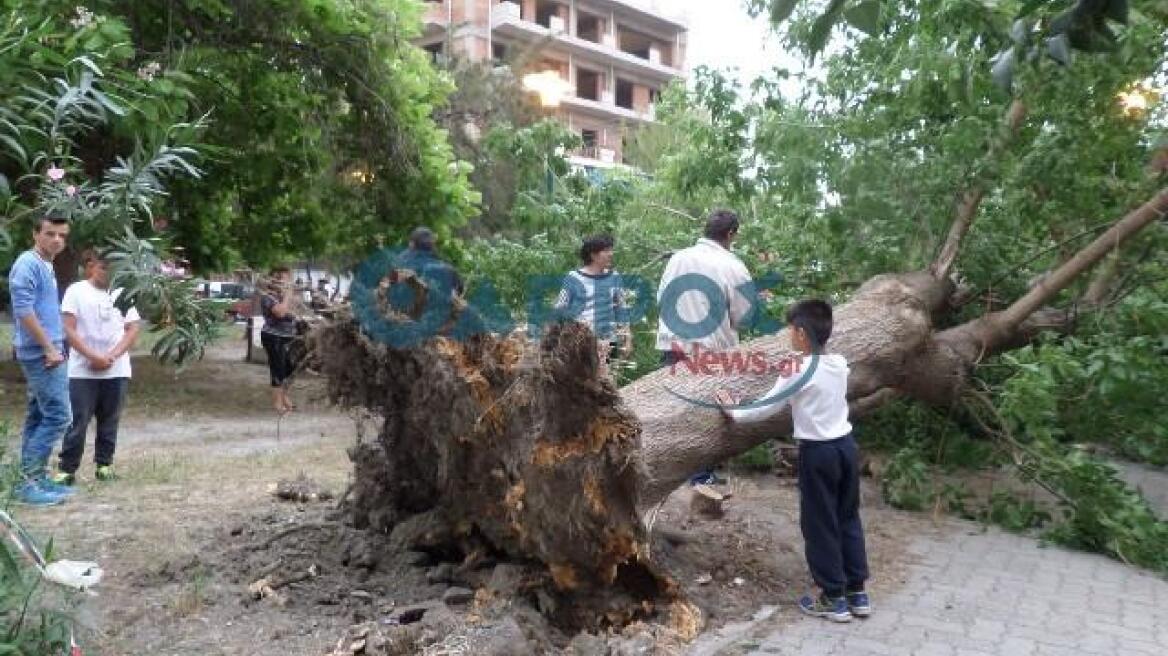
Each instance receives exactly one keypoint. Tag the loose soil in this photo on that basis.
(203, 558)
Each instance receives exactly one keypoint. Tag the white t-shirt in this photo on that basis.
(100, 325)
(728, 274)
(820, 408)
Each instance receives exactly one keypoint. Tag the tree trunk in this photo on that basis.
(886, 325)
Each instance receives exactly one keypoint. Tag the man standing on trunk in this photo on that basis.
(100, 338)
(40, 343)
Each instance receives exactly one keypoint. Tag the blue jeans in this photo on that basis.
(93, 398)
(48, 417)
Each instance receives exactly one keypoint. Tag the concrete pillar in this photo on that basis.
(640, 98)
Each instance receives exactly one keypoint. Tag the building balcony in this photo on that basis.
(608, 110)
(506, 20)
(435, 19)
(598, 154)
(645, 10)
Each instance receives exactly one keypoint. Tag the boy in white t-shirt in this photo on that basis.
(100, 338)
(829, 478)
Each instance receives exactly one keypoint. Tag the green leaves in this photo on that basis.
(1004, 66)
(865, 16)
(823, 25)
(1082, 27)
(1059, 49)
(28, 625)
(781, 10)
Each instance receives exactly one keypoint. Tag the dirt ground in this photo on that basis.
(202, 558)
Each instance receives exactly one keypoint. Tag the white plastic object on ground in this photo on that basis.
(79, 575)
(76, 574)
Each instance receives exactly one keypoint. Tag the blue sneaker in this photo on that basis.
(859, 605)
(835, 610)
(31, 494)
(63, 490)
(707, 478)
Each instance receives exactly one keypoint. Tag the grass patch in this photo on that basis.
(193, 597)
(157, 470)
(760, 458)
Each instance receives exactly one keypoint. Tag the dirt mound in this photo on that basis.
(310, 562)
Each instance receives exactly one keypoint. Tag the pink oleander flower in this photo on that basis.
(71, 190)
(55, 174)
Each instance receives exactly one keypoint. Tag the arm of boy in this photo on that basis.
(770, 404)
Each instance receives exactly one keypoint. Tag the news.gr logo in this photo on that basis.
(411, 320)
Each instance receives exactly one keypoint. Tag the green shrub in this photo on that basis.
(28, 625)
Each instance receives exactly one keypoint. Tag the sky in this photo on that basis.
(722, 35)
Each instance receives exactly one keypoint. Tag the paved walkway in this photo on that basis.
(1152, 482)
(972, 593)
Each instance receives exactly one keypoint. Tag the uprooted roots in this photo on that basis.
(492, 450)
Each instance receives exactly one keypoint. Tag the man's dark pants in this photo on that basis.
(102, 398)
(829, 514)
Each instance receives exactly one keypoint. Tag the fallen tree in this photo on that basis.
(491, 448)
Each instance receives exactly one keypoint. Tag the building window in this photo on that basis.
(435, 50)
(634, 44)
(587, 84)
(544, 12)
(624, 94)
(498, 52)
(591, 138)
(588, 27)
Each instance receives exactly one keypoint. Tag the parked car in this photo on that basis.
(241, 309)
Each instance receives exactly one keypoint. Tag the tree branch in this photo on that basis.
(871, 402)
(1013, 270)
(1153, 210)
(971, 199)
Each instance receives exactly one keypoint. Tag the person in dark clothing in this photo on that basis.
(278, 301)
(422, 259)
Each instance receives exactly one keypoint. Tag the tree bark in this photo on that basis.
(881, 330)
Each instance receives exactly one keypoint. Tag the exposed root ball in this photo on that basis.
(492, 446)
